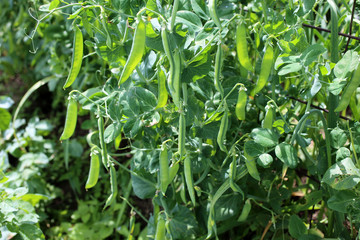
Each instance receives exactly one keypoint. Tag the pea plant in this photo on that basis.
(240, 118)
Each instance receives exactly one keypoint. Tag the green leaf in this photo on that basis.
(30, 232)
(342, 175)
(54, 4)
(111, 132)
(226, 207)
(198, 7)
(189, 19)
(3, 178)
(296, 227)
(338, 138)
(290, 68)
(312, 53)
(337, 85)
(341, 200)
(312, 198)
(265, 137)
(75, 148)
(316, 86)
(5, 119)
(253, 149)
(183, 223)
(342, 153)
(287, 154)
(142, 189)
(347, 64)
(265, 160)
(6, 102)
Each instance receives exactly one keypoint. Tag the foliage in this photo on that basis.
(287, 168)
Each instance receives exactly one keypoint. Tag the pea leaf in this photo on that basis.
(338, 138)
(290, 68)
(312, 53)
(342, 175)
(265, 160)
(296, 227)
(287, 154)
(347, 64)
(265, 137)
(341, 199)
(253, 149)
(5, 118)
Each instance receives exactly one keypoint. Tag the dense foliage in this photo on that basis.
(184, 119)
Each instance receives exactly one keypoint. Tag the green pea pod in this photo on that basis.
(222, 132)
(349, 90)
(213, 13)
(189, 179)
(217, 73)
(176, 78)
(136, 52)
(242, 48)
(160, 229)
(164, 169)
(269, 118)
(114, 189)
(70, 121)
(265, 70)
(76, 57)
(104, 154)
(94, 169)
(245, 211)
(182, 132)
(232, 177)
(117, 141)
(162, 92)
(240, 108)
(174, 168)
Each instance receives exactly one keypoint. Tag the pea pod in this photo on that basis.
(265, 70)
(349, 90)
(76, 57)
(222, 131)
(94, 169)
(182, 132)
(176, 78)
(189, 179)
(213, 13)
(217, 73)
(132, 225)
(251, 166)
(245, 211)
(162, 92)
(240, 108)
(164, 169)
(269, 118)
(136, 52)
(70, 121)
(160, 229)
(174, 168)
(242, 47)
(232, 177)
(105, 158)
(114, 189)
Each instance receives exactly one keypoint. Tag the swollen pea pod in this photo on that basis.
(70, 121)
(136, 52)
(114, 189)
(182, 132)
(217, 73)
(232, 177)
(269, 117)
(160, 229)
(349, 90)
(176, 78)
(242, 47)
(104, 154)
(222, 131)
(189, 179)
(162, 92)
(213, 13)
(240, 108)
(174, 168)
(245, 211)
(164, 169)
(265, 70)
(76, 57)
(94, 169)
